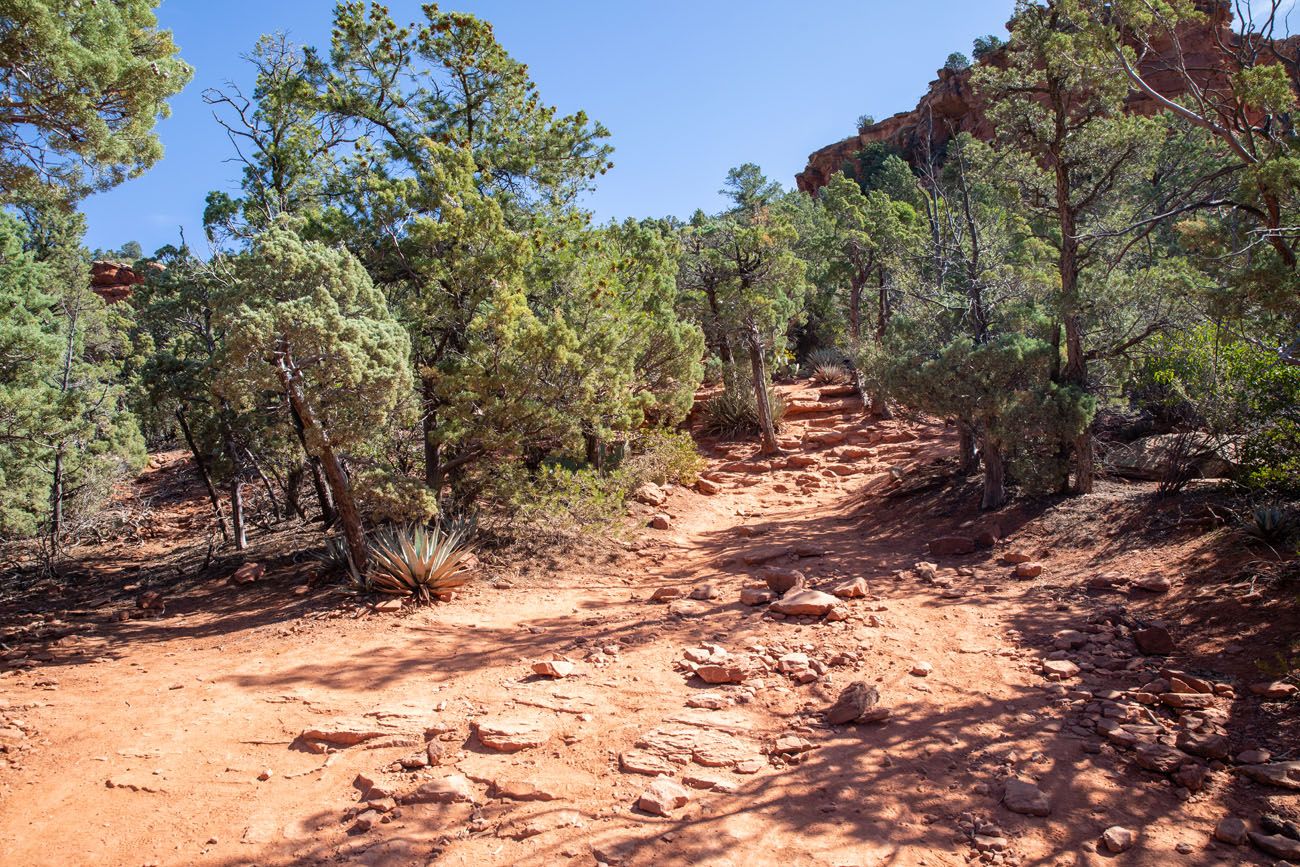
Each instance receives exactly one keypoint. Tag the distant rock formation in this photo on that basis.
(951, 105)
(115, 281)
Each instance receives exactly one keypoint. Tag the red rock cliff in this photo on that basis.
(951, 106)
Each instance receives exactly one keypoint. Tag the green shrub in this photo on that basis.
(663, 457)
(734, 412)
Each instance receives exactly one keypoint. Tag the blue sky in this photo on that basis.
(688, 88)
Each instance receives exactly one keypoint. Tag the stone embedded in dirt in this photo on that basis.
(1253, 757)
(716, 674)
(790, 745)
(454, 789)
(782, 581)
(248, 573)
(1276, 689)
(858, 702)
(800, 461)
(1271, 823)
(705, 592)
(151, 600)
(1159, 757)
(1029, 570)
(1118, 839)
(1015, 558)
(709, 701)
(344, 733)
(1284, 775)
(1207, 745)
(1059, 669)
(1153, 584)
(1154, 641)
(663, 796)
(1069, 639)
(1187, 700)
(1191, 777)
(707, 747)
(756, 596)
(266, 774)
(512, 734)
(765, 554)
(704, 486)
(389, 605)
(1023, 797)
(922, 669)
(1106, 581)
(366, 820)
(520, 790)
(553, 667)
(650, 494)
(687, 608)
(532, 826)
(855, 589)
(952, 546)
(826, 438)
(809, 603)
(436, 752)
(661, 521)
(1230, 830)
(645, 762)
(667, 594)
(1276, 845)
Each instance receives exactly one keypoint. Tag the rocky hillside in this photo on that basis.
(951, 105)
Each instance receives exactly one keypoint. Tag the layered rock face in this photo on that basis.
(951, 105)
(113, 281)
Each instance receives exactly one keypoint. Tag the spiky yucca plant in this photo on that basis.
(734, 412)
(1268, 524)
(416, 561)
(826, 366)
(336, 558)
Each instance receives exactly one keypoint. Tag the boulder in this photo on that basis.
(1276, 845)
(716, 674)
(782, 581)
(704, 486)
(1118, 839)
(951, 546)
(663, 796)
(661, 521)
(858, 702)
(1029, 570)
(248, 573)
(1059, 669)
(1230, 830)
(1021, 796)
(1273, 689)
(1159, 757)
(855, 589)
(1153, 584)
(512, 734)
(1153, 458)
(1283, 775)
(650, 494)
(553, 668)
(806, 603)
(1154, 641)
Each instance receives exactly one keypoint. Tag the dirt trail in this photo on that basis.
(147, 738)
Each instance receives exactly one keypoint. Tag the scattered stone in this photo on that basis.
(1021, 796)
(1230, 830)
(1253, 757)
(952, 546)
(663, 796)
(1118, 839)
(716, 674)
(1059, 669)
(248, 573)
(265, 775)
(922, 669)
(704, 486)
(1159, 757)
(520, 790)
(756, 596)
(704, 592)
(454, 789)
(1154, 641)
(1029, 570)
(1207, 745)
(1276, 845)
(553, 668)
(512, 734)
(858, 702)
(1015, 558)
(389, 606)
(1187, 700)
(855, 589)
(1153, 584)
(661, 521)
(645, 762)
(1274, 690)
(811, 603)
(667, 594)
(151, 600)
(782, 581)
(344, 733)
(1284, 775)
(1272, 823)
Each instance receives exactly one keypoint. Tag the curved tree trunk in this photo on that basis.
(758, 367)
(201, 466)
(967, 457)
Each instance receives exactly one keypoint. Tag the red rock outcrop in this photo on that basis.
(114, 281)
(951, 105)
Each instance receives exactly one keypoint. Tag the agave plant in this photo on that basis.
(735, 413)
(336, 558)
(827, 366)
(414, 560)
(1268, 524)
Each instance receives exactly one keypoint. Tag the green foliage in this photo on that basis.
(664, 457)
(84, 84)
(957, 62)
(1245, 398)
(1268, 524)
(732, 413)
(414, 560)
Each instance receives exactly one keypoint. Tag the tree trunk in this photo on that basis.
(1076, 370)
(236, 488)
(266, 483)
(204, 475)
(595, 450)
(855, 307)
(292, 486)
(758, 366)
(995, 483)
(432, 450)
(330, 464)
(56, 507)
(327, 512)
(967, 457)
